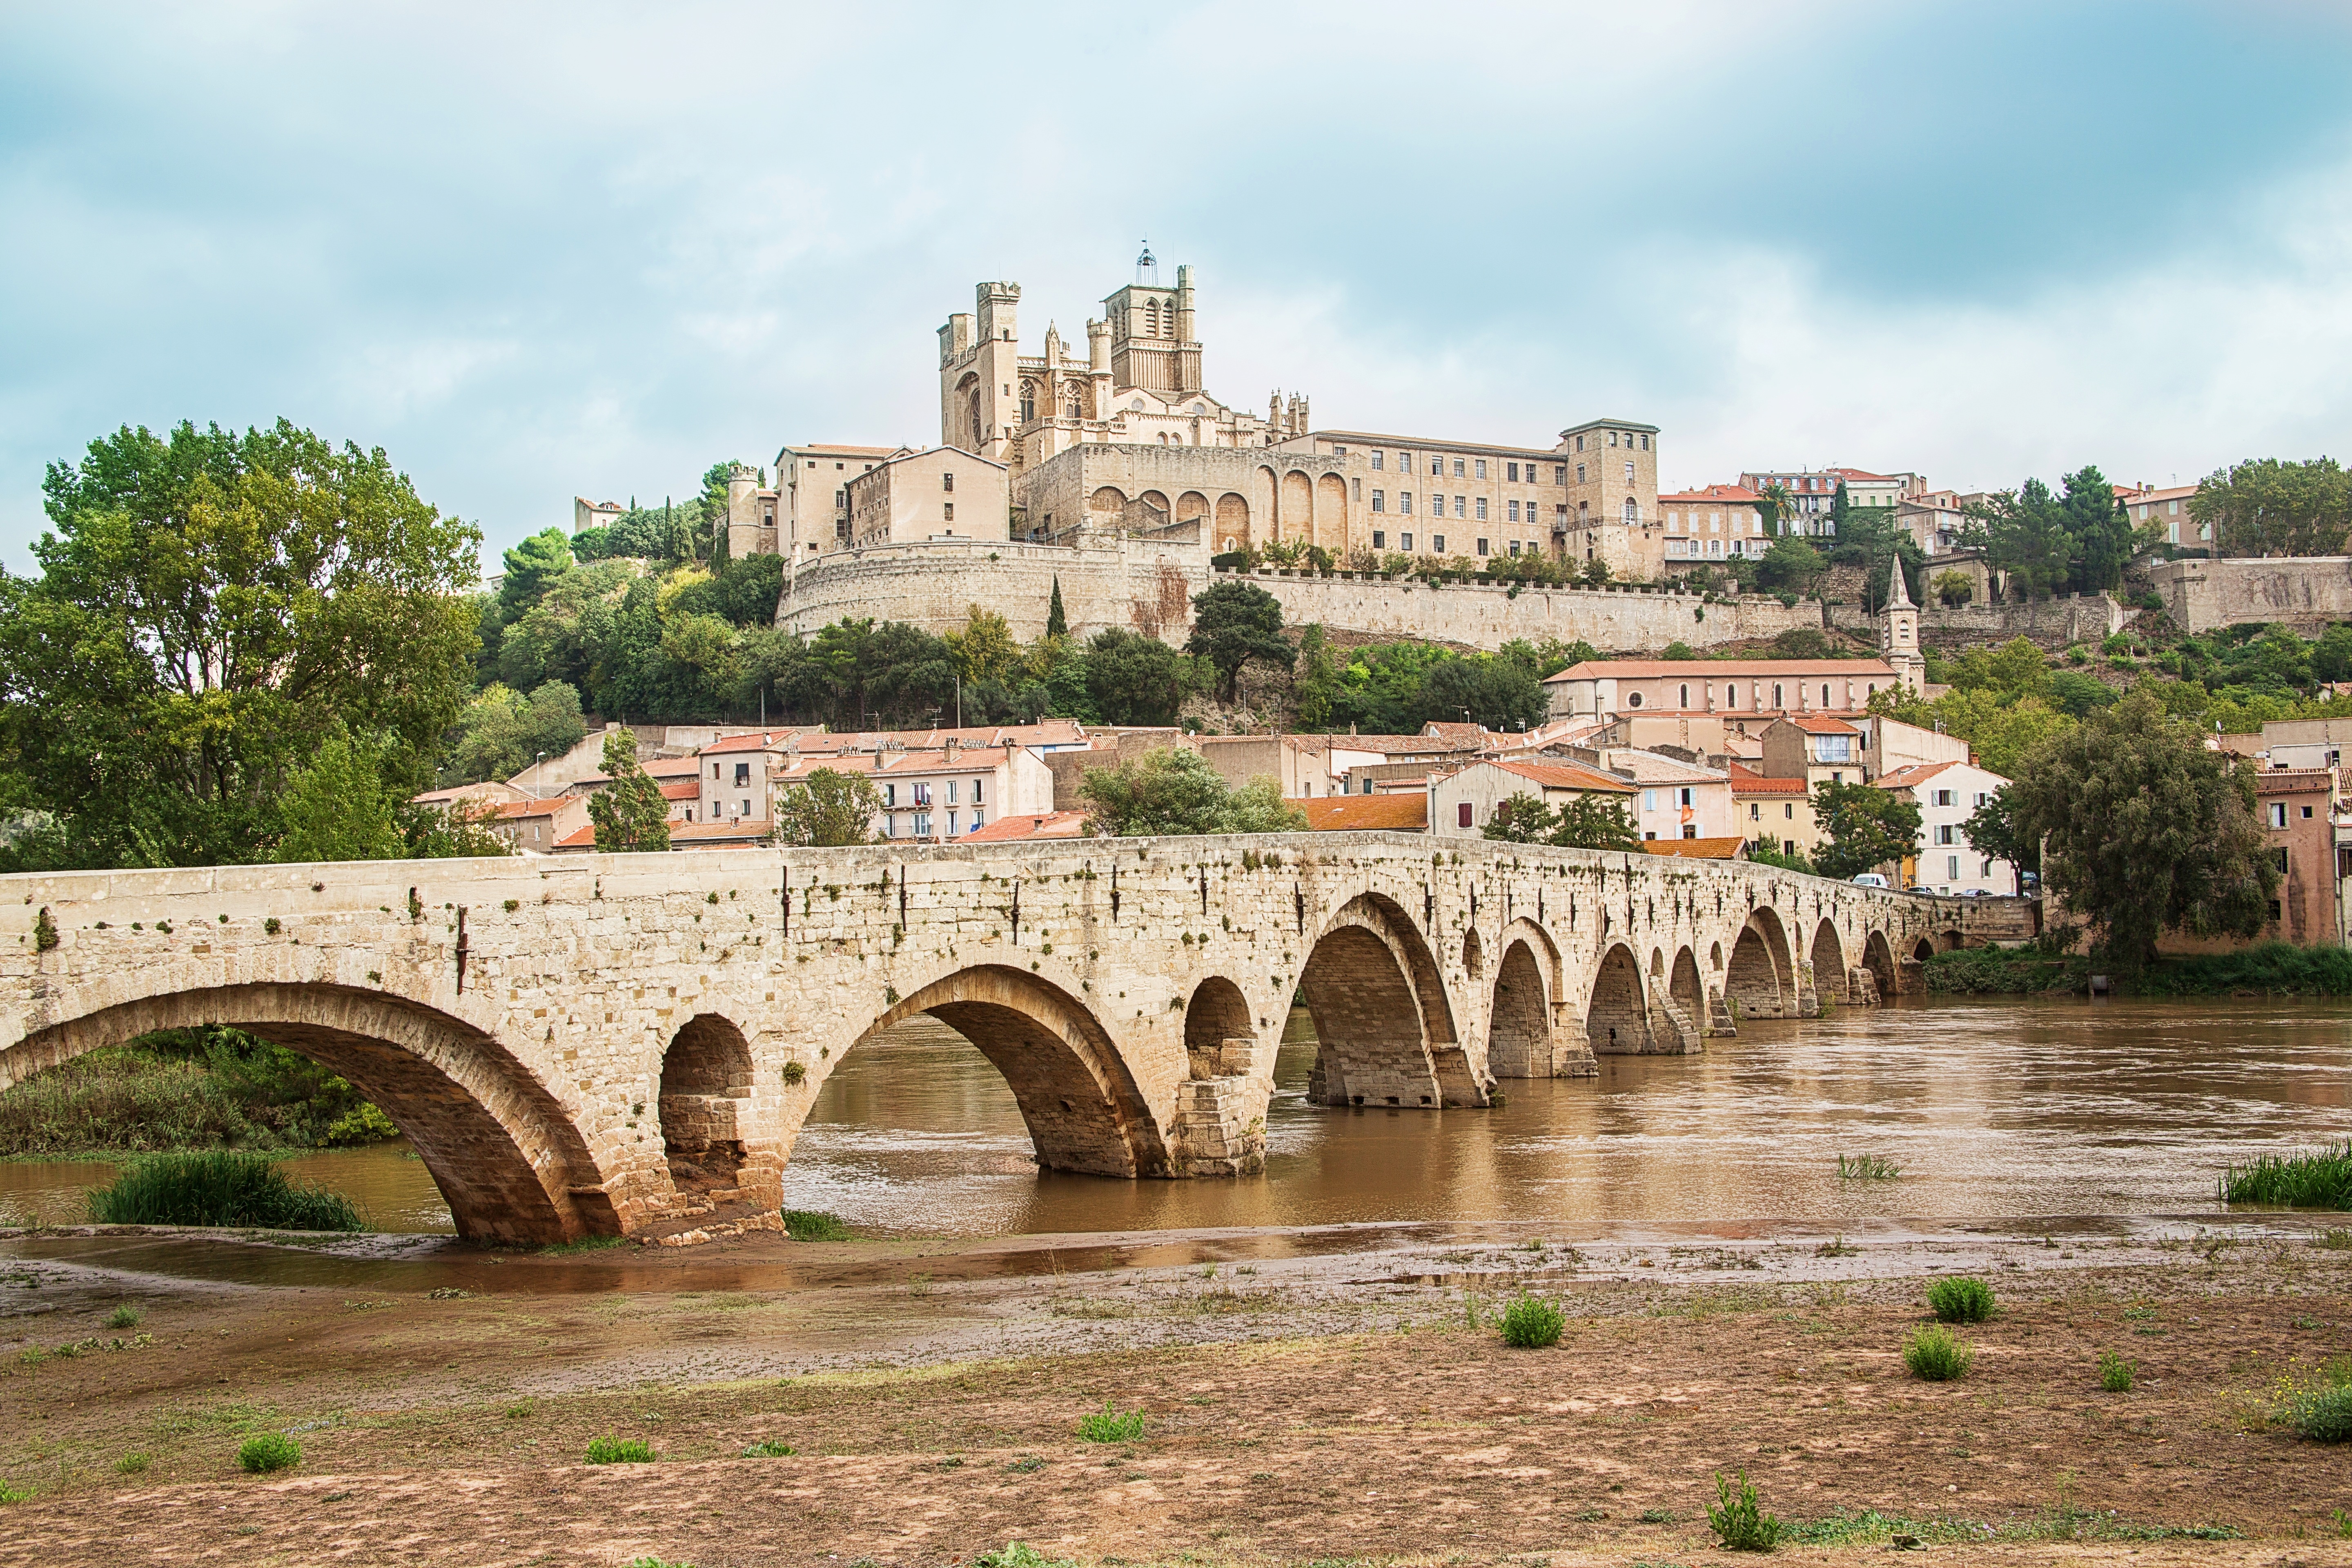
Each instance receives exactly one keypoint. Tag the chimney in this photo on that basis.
(953, 749)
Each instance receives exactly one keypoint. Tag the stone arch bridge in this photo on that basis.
(629, 1044)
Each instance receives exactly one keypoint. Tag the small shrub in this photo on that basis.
(610, 1449)
(364, 1123)
(1017, 1554)
(2115, 1372)
(1962, 1298)
(814, 1225)
(12, 1493)
(124, 1317)
(769, 1448)
(270, 1451)
(271, 927)
(218, 1186)
(131, 1465)
(1743, 1526)
(1532, 1324)
(1867, 1168)
(2319, 1179)
(44, 930)
(1110, 1425)
(795, 1071)
(2323, 1415)
(1938, 1355)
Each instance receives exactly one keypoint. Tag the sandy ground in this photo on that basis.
(1307, 1398)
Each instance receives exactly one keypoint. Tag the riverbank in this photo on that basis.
(1305, 1396)
(185, 1091)
(2267, 969)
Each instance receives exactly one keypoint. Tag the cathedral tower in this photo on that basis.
(979, 372)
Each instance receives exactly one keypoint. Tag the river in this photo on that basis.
(1995, 1109)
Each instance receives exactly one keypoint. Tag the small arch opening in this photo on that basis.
(1219, 1040)
(706, 1080)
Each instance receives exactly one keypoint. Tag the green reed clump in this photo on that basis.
(219, 1187)
(814, 1225)
(581, 1244)
(611, 1450)
(270, 1451)
(1867, 1168)
(769, 1448)
(1962, 1298)
(2315, 1179)
(1736, 1517)
(1111, 1425)
(1532, 1324)
(124, 1317)
(2115, 1372)
(1936, 1354)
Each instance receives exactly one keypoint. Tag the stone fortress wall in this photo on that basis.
(2308, 592)
(1147, 586)
(2054, 623)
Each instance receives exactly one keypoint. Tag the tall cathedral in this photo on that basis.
(1139, 382)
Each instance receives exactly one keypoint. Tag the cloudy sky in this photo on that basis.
(541, 251)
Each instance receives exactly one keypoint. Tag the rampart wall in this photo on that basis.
(2054, 623)
(2307, 592)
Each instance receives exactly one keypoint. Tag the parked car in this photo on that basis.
(1870, 879)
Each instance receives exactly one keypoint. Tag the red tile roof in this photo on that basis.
(508, 810)
(1569, 775)
(1698, 848)
(2291, 781)
(1917, 773)
(1045, 825)
(1400, 813)
(1736, 668)
(682, 789)
(1814, 725)
(1747, 781)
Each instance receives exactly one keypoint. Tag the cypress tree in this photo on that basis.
(630, 812)
(1057, 625)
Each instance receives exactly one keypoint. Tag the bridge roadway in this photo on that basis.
(629, 1044)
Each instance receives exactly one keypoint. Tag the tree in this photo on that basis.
(2024, 537)
(1778, 510)
(1952, 589)
(2100, 528)
(1234, 623)
(1868, 827)
(1791, 563)
(2332, 659)
(530, 566)
(1174, 790)
(2267, 507)
(1992, 832)
(1801, 642)
(1315, 684)
(1058, 623)
(501, 732)
(1578, 822)
(337, 808)
(630, 812)
(831, 809)
(1522, 819)
(984, 650)
(210, 606)
(1134, 680)
(1499, 693)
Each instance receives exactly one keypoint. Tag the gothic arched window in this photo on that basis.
(1028, 401)
(1632, 510)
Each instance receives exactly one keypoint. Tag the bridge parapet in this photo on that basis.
(630, 1043)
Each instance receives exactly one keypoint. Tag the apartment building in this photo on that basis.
(1676, 799)
(938, 795)
(813, 495)
(1711, 524)
(1743, 689)
(942, 493)
(1462, 804)
(1423, 496)
(1773, 813)
(1948, 794)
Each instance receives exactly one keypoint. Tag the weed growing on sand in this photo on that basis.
(1938, 1355)
(585, 1244)
(657, 1562)
(2313, 1178)
(1659, 1516)
(814, 1225)
(124, 1317)
(1110, 1425)
(2115, 1372)
(1017, 1554)
(268, 1452)
(11, 1492)
(1962, 1298)
(131, 1465)
(1736, 1517)
(1027, 1464)
(2323, 1415)
(1867, 1168)
(2334, 1240)
(610, 1449)
(1837, 1247)
(1532, 1324)
(769, 1448)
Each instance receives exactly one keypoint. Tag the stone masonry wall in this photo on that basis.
(2307, 592)
(2054, 623)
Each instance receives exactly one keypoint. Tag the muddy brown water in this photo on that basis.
(1998, 1112)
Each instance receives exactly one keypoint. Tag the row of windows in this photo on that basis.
(1731, 699)
(1739, 522)
(1612, 437)
(921, 792)
(1437, 544)
(1464, 506)
(1464, 467)
(919, 824)
(1679, 547)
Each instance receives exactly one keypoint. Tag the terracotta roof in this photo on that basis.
(1389, 745)
(1469, 733)
(1029, 824)
(508, 810)
(1729, 494)
(1814, 725)
(1569, 775)
(1747, 781)
(1705, 668)
(1400, 813)
(1917, 773)
(682, 789)
(1698, 848)
(758, 741)
(2291, 781)
(1860, 474)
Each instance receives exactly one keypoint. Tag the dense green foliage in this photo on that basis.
(1579, 822)
(1738, 1520)
(1867, 826)
(1175, 791)
(2269, 506)
(269, 1452)
(211, 609)
(1530, 1323)
(501, 732)
(1235, 625)
(830, 810)
(2077, 542)
(631, 813)
(1936, 1354)
(2319, 1179)
(187, 1088)
(1961, 1299)
(218, 1186)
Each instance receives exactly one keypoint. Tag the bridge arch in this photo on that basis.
(1382, 1015)
(1829, 962)
(1684, 987)
(1754, 982)
(1518, 1019)
(1878, 957)
(1220, 1039)
(1080, 1102)
(1924, 949)
(508, 1160)
(1617, 1019)
(704, 1103)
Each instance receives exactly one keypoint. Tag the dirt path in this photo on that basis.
(1343, 1405)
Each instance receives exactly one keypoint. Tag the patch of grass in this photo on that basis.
(814, 1225)
(1867, 1168)
(658, 1563)
(2115, 1372)
(1111, 1425)
(1659, 1516)
(585, 1243)
(1736, 1517)
(131, 1464)
(1962, 1298)
(2323, 1415)
(1837, 1247)
(1531, 1323)
(769, 1448)
(218, 1186)
(610, 1449)
(124, 1317)
(1018, 1554)
(10, 1492)
(2334, 1240)
(2318, 1179)
(269, 1451)
(1938, 1355)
